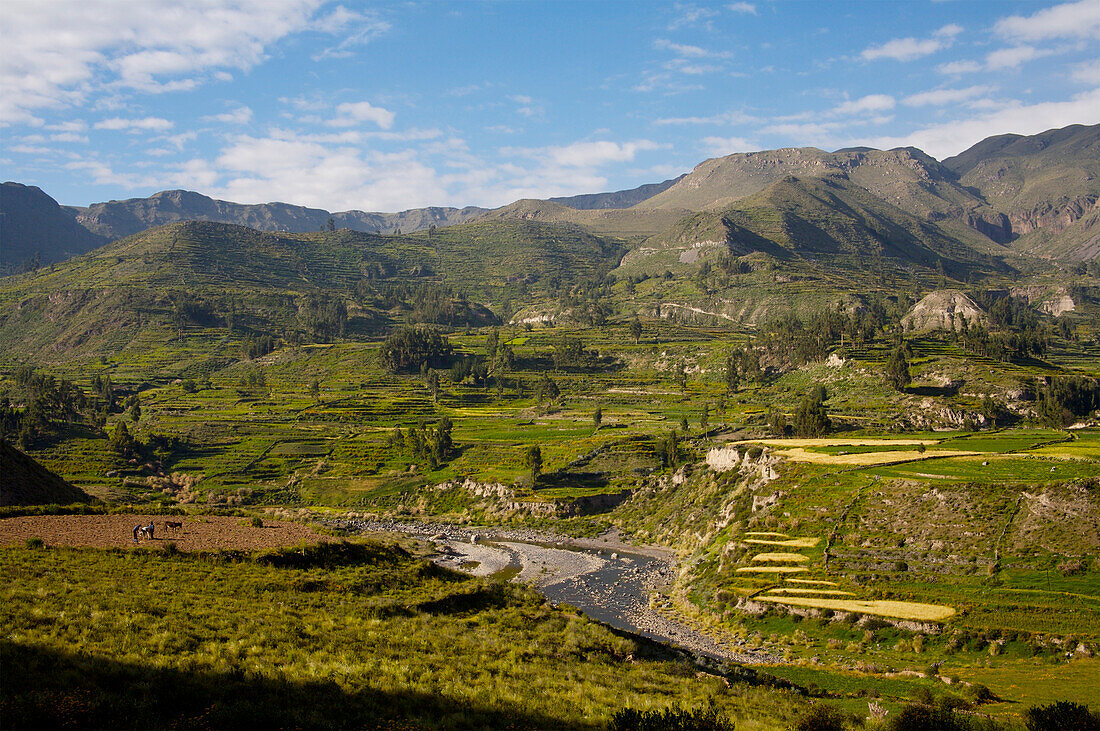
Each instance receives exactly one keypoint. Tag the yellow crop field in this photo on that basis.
(797, 590)
(880, 608)
(792, 543)
(824, 442)
(771, 570)
(766, 533)
(865, 459)
(796, 557)
(815, 582)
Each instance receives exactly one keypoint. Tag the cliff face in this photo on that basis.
(34, 228)
(1055, 216)
(117, 219)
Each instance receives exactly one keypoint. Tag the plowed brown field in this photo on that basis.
(199, 532)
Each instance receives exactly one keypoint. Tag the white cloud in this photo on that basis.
(720, 146)
(869, 103)
(69, 137)
(358, 28)
(731, 117)
(1088, 73)
(259, 170)
(585, 154)
(351, 114)
(688, 15)
(74, 125)
(58, 53)
(1069, 20)
(951, 138)
(808, 133)
(240, 115)
(1010, 58)
(153, 124)
(688, 51)
(940, 97)
(957, 68)
(909, 49)
(747, 8)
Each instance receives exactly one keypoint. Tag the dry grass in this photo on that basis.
(880, 608)
(824, 442)
(792, 543)
(771, 570)
(796, 557)
(865, 459)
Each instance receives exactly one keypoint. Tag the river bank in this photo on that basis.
(609, 579)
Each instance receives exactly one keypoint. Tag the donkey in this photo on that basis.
(173, 524)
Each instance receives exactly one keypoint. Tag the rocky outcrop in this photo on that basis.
(994, 226)
(1051, 301)
(504, 498)
(1053, 217)
(747, 460)
(116, 219)
(944, 309)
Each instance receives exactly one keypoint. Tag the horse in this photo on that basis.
(173, 524)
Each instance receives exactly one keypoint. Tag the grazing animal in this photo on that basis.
(173, 524)
(142, 531)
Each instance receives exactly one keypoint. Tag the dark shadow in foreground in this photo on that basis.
(46, 688)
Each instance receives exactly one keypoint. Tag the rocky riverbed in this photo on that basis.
(608, 579)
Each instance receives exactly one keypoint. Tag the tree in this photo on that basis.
(433, 383)
(492, 342)
(597, 418)
(533, 461)
(684, 424)
(669, 450)
(547, 389)
(331, 224)
(733, 376)
(410, 348)
(897, 369)
(121, 441)
(810, 418)
(315, 389)
(636, 330)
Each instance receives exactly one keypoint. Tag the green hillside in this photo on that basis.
(187, 277)
(26, 482)
(1046, 186)
(627, 223)
(826, 219)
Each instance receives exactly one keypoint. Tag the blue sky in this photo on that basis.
(389, 106)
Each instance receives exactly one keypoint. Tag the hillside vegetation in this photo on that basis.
(868, 432)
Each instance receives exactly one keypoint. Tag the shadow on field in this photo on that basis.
(46, 688)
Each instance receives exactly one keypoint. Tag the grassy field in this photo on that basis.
(345, 635)
(898, 540)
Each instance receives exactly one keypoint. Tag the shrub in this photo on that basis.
(1062, 716)
(257, 522)
(35, 543)
(630, 719)
(821, 718)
